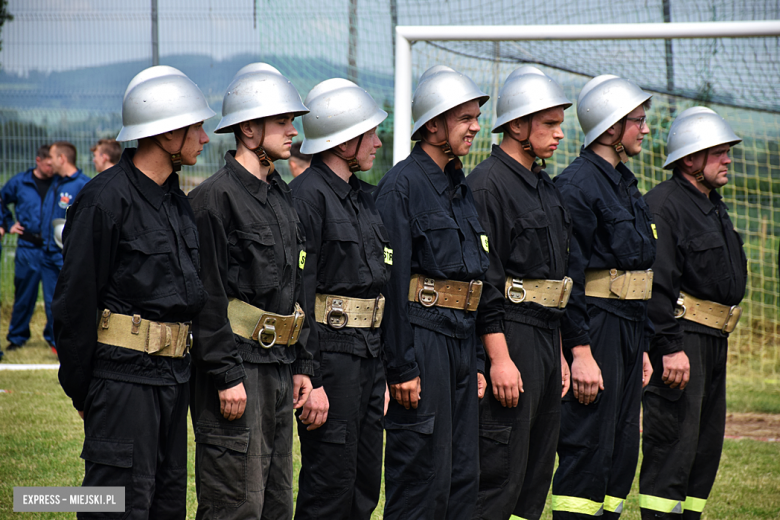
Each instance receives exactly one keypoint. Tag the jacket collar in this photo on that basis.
(614, 174)
(440, 180)
(521, 171)
(340, 188)
(150, 190)
(257, 188)
(704, 203)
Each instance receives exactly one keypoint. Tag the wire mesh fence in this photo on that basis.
(65, 67)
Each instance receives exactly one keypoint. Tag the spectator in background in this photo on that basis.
(68, 182)
(27, 191)
(298, 162)
(105, 154)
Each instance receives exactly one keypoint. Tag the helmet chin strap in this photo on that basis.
(352, 162)
(175, 156)
(445, 145)
(699, 173)
(259, 151)
(525, 143)
(617, 144)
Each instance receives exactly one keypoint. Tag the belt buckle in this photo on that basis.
(269, 327)
(517, 285)
(336, 314)
(428, 295)
(728, 319)
(566, 286)
(376, 310)
(680, 309)
(296, 325)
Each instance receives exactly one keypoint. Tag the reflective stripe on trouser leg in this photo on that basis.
(577, 505)
(694, 504)
(663, 505)
(613, 504)
(513, 517)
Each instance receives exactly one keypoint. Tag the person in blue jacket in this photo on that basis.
(68, 181)
(26, 191)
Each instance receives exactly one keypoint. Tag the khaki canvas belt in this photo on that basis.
(707, 313)
(154, 338)
(449, 294)
(339, 311)
(267, 328)
(549, 293)
(620, 285)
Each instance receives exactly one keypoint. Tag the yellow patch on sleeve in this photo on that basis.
(484, 239)
(388, 256)
(655, 232)
(301, 259)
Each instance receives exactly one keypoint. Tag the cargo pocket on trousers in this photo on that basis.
(580, 423)
(110, 463)
(661, 415)
(412, 458)
(221, 459)
(494, 454)
(326, 447)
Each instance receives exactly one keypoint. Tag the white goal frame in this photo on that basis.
(405, 35)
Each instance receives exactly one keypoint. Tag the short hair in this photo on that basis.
(110, 147)
(43, 152)
(647, 104)
(66, 149)
(295, 152)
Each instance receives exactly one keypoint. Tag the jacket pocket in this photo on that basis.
(530, 248)
(707, 258)
(339, 253)
(439, 240)
(221, 458)
(252, 258)
(147, 259)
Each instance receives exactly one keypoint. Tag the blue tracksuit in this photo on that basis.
(35, 263)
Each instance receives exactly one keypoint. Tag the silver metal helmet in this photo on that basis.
(158, 100)
(58, 224)
(526, 91)
(256, 67)
(604, 101)
(696, 129)
(257, 93)
(339, 111)
(441, 88)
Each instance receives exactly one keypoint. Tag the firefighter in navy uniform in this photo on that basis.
(251, 366)
(605, 328)
(699, 278)
(440, 256)
(348, 261)
(128, 290)
(526, 290)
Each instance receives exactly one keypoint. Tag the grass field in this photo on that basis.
(41, 437)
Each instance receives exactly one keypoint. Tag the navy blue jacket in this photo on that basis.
(611, 228)
(22, 192)
(61, 194)
(434, 230)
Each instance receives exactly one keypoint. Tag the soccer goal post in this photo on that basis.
(407, 34)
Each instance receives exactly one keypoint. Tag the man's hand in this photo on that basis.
(387, 398)
(507, 381)
(677, 370)
(315, 411)
(232, 402)
(17, 229)
(2, 232)
(586, 377)
(647, 369)
(565, 374)
(481, 385)
(301, 390)
(407, 393)
(81, 414)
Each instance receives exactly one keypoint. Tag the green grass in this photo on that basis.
(41, 436)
